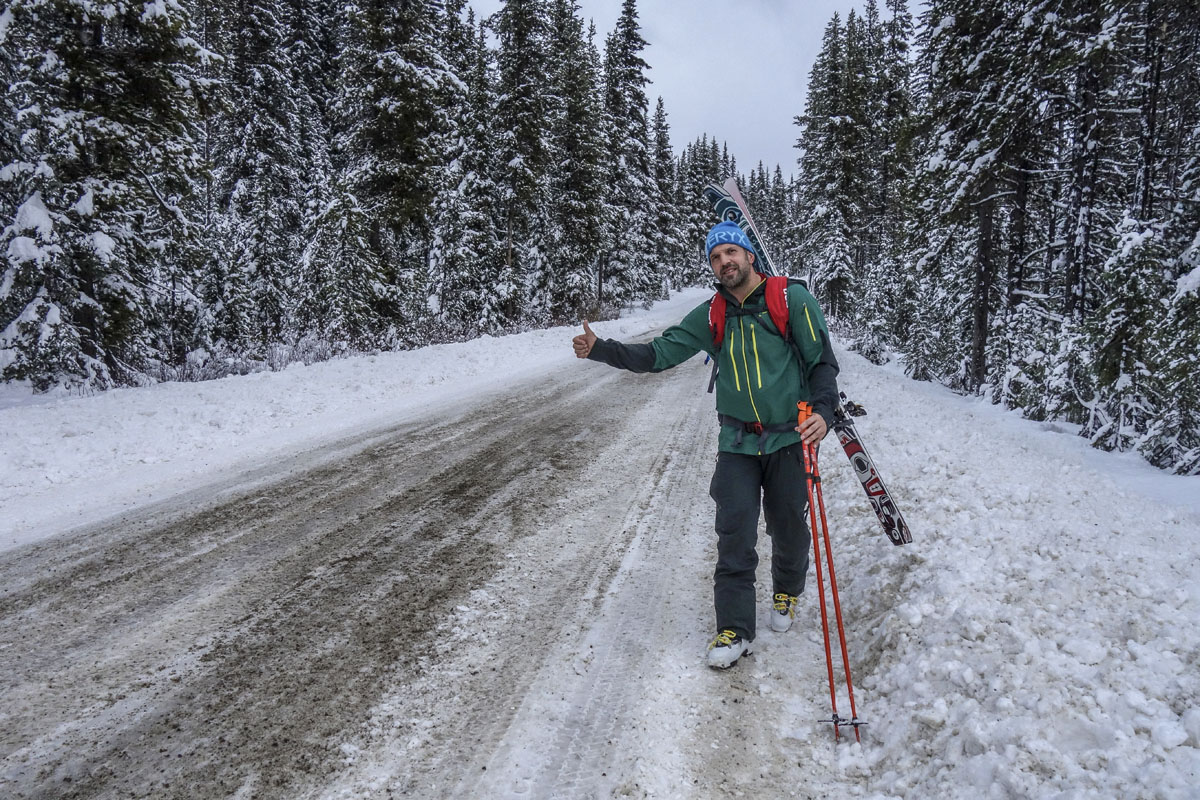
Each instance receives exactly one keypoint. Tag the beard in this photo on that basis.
(736, 278)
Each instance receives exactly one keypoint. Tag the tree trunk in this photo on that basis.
(982, 289)
(1149, 116)
(1083, 161)
(1018, 230)
(600, 281)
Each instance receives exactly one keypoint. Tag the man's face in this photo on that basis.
(732, 265)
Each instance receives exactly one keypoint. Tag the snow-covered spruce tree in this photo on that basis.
(779, 214)
(1166, 192)
(1129, 317)
(628, 269)
(792, 226)
(774, 214)
(685, 267)
(576, 176)
(389, 130)
(1173, 439)
(983, 73)
(934, 347)
(767, 206)
(1089, 204)
(728, 162)
(716, 164)
(1030, 171)
(960, 172)
(345, 296)
(895, 90)
(312, 54)
(754, 190)
(671, 251)
(446, 256)
(883, 307)
(1088, 60)
(344, 302)
(211, 28)
(1032, 253)
(864, 101)
(1124, 327)
(697, 168)
(261, 182)
(104, 104)
(523, 150)
(456, 35)
(827, 175)
(1108, 236)
(467, 252)
(398, 140)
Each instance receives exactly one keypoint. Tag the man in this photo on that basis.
(761, 376)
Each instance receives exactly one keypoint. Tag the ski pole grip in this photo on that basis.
(804, 411)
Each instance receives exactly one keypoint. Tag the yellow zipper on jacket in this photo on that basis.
(757, 365)
(746, 364)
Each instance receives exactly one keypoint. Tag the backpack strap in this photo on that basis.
(777, 305)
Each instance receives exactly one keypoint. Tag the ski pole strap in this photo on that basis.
(757, 428)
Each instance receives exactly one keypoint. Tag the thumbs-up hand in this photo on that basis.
(584, 341)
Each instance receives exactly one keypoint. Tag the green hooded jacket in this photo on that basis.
(759, 379)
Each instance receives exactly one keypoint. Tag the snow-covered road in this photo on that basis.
(395, 602)
(483, 570)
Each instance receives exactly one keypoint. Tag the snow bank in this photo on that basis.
(1039, 637)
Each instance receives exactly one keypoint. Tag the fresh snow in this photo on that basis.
(1039, 637)
(1189, 282)
(33, 215)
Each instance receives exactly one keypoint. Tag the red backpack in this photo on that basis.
(777, 307)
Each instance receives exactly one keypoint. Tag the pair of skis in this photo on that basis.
(730, 206)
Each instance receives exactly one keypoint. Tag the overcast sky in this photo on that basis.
(736, 71)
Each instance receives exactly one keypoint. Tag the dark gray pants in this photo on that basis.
(737, 485)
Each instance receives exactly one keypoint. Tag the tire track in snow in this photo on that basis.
(505, 657)
(589, 755)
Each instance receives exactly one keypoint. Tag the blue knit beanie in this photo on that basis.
(726, 233)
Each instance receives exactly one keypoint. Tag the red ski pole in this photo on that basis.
(813, 481)
(837, 604)
(804, 413)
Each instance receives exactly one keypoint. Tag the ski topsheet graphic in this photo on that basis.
(727, 199)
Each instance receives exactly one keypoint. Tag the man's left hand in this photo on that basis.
(813, 429)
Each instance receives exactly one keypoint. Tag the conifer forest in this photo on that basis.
(1004, 196)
